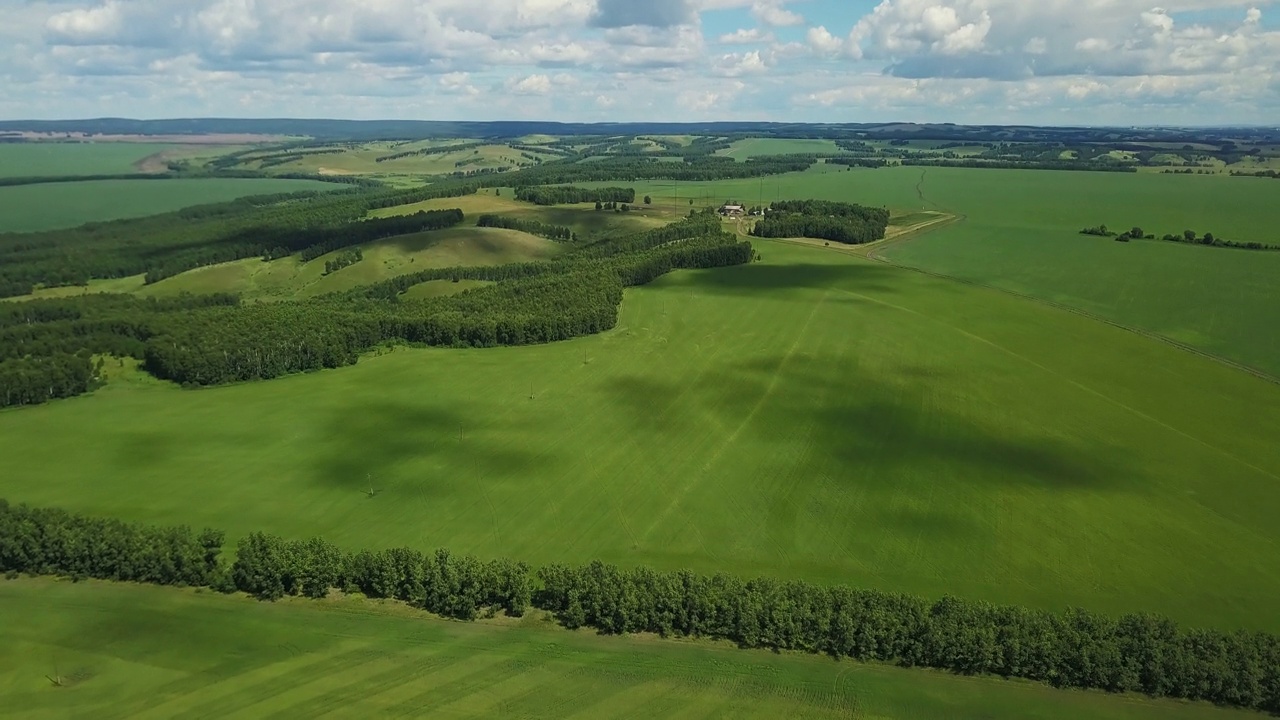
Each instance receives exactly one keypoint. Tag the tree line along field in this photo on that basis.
(813, 415)
(1020, 231)
(112, 647)
(30, 208)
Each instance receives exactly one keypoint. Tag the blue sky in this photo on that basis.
(978, 61)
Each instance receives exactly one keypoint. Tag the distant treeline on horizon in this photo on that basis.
(329, 129)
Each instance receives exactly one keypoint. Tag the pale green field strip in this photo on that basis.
(127, 651)
(50, 158)
(28, 208)
(814, 415)
(752, 147)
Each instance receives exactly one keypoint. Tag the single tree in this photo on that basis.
(648, 200)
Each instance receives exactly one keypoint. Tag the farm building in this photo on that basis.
(731, 210)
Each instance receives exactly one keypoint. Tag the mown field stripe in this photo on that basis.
(258, 686)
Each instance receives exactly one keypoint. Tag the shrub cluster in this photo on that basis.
(1135, 653)
(346, 259)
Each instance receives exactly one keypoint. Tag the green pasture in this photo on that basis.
(583, 218)
(143, 652)
(70, 158)
(1020, 232)
(383, 259)
(813, 415)
(28, 208)
(751, 147)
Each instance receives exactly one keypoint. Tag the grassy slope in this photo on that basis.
(291, 278)
(26, 159)
(582, 218)
(1021, 234)
(29, 208)
(814, 415)
(131, 651)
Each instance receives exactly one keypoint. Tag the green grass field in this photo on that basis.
(28, 208)
(50, 158)
(582, 218)
(1020, 233)
(142, 652)
(814, 415)
(291, 278)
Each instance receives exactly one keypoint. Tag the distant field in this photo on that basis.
(813, 415)
(291, 278)
(50, 158)
(144, 652)
(1021, 233)
(28, 208)
(752, 147)
(582, 218)
(364, 159)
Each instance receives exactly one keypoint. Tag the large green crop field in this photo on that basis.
(28, 208)
(1019, 232)
(49, 158)
(140, 652)
(814, 415)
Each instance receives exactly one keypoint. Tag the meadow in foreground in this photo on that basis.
(813, 415)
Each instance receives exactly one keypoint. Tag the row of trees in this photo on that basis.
(1187, 236)
(1139, 652)
(568, 195)
(322, 242)
(49, 541)
(838, 222)
(344, 260)
(533, 227)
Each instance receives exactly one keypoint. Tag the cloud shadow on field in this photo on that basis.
(758, 279)
(367, 444)
(885, 431)
(885, 423)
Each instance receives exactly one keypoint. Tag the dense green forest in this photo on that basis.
(568, 195)
(838, 222)
(1073, 648)
(208, 340)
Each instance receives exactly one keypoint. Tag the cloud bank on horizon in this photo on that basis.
(990, 61)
